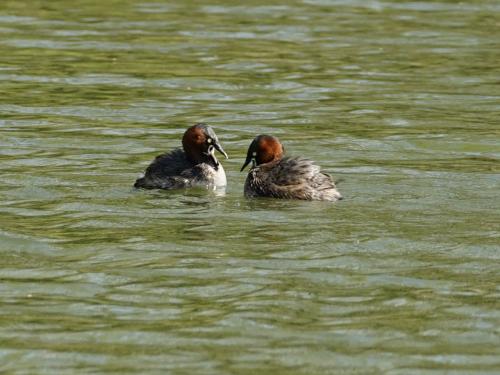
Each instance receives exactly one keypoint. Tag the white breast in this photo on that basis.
(220, 177)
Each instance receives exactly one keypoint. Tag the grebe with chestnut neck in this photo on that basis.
(193, 165)
(273, 175)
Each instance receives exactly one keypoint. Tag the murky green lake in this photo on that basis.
(398, 99)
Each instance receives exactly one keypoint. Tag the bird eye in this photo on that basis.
(209, 140)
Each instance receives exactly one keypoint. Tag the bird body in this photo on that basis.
(193, 165)
(273, 175)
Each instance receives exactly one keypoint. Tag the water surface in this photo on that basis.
(400, 100)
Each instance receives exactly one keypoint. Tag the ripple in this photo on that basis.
(397, 100)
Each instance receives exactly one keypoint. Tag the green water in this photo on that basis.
(398, 99)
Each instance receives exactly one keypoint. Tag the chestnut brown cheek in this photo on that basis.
(261, 159)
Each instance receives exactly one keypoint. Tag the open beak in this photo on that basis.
(213, 159)
(211, 153)
(219, 148)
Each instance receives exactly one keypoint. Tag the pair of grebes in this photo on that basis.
(271, 175)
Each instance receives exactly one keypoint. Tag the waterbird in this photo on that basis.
(193, 165)
(276, 176)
